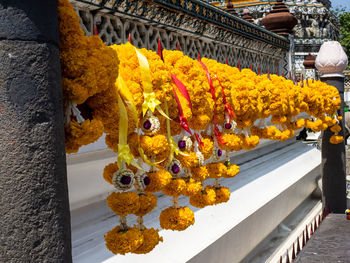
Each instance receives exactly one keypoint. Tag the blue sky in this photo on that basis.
(338, 3)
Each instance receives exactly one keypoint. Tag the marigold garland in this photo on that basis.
(203, 198)
(222, 194)
(335, 139)
(120, 241)
(200, 173)
(207, 148)
(88, 67)
(158, 180)
(192, 187)
(190, 72)
(175, 187)
(156, 146)
(124, 203)
(189, 159)
(176, 218)
(242, 102)
(232, 171)
(151, 239)
(85, 133)
(147, 203)
(336, 128)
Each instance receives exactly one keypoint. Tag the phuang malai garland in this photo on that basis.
(173, 121)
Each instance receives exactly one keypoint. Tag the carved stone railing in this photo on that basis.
(195, 25)
(347, 79)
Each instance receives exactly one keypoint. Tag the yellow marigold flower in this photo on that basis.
(122, 242)
(232, 171)
(335, 139)
(203, 198)
(130, 71)
(270, 131)
(199, 173)
(233, 142)
(300, 123)
(284, 135)
(208, 148)
(151, 239)
(188, 160)
(324, 126)
(222, 194)
(82, 134)
(124, 203)
(250, 142)
(256, 131)
(193, 76)
(192, 187)
(175, 187)
(336, 128)
(112, 142)
(109, 170)
(105, 108)
(176, 218)
(147, 203)
(153, 146)
(158, 180)
(309, 124)
(88, 66)
(216, 170)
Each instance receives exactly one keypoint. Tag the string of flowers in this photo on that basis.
(88, 68)
(173, 121)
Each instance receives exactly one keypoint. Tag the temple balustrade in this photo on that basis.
(196, 26)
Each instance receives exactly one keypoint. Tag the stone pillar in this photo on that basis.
(291, 57)
(331, 61)
(34, 217)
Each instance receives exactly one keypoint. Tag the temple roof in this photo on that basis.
(243, 3)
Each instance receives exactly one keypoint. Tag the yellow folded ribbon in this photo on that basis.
(124, 153)
(150, 100)
(124, 91)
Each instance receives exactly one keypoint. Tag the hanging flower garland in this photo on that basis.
(173, 121)
(88, 67)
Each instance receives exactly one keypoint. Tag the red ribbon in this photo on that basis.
(182, 88)
(199, 139)
(212, 91)
(183, 121)
(228, 107)
(96, 33)
(160, 53)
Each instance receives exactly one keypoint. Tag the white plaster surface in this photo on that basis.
(269, 186)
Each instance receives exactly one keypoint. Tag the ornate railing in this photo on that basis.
(347, 79)
(195, 25)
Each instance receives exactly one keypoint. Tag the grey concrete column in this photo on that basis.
(34, 215)
(331, 61)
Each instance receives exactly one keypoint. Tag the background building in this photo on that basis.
(316, 24)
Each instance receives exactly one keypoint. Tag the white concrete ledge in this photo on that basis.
(86, 184)
(270, 186)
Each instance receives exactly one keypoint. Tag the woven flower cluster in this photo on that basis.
(173, 122)
(88, 68)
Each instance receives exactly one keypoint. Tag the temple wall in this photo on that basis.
(196, 27)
